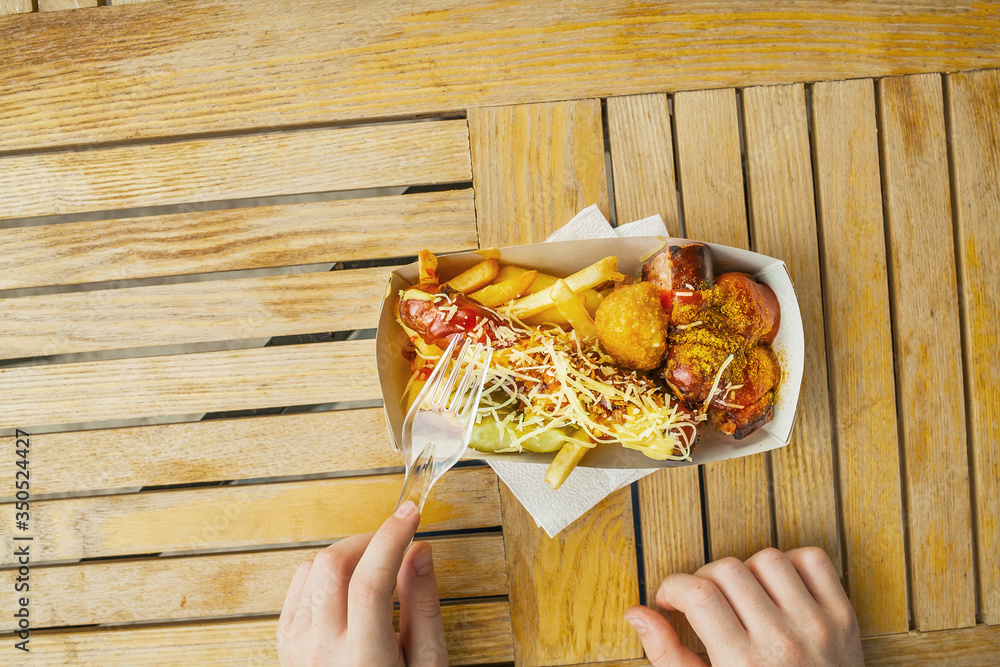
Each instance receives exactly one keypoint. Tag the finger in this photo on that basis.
(820, 578)
(292, 597)
(369, 601)
(708, 611)
(421, 629)
(324, 599)
(754, 607)
(781, 581)
(659, 639)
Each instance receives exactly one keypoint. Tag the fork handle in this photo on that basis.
(419, 477)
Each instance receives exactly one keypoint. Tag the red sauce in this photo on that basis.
(430, 318)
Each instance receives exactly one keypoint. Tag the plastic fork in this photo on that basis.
(439, 424)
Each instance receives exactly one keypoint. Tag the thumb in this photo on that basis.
(659, 639)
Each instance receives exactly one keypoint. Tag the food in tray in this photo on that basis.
(599, 358)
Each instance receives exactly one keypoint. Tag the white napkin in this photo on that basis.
(585, 487)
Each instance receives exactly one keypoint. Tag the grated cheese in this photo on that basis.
(545, 379)
(681, 327)
(556, 380)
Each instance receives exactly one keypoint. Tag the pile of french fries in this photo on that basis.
(533, 298)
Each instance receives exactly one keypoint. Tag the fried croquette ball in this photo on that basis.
(632, 326)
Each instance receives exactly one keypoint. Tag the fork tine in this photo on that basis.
(468, 377)
(471, 402)
(434, 382)
(456, 371)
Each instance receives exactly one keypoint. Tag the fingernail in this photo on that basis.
(423, 563)
(406, 509)
(637, 623)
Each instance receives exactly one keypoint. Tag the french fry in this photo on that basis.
(411, 395)
(595, 274)
(488, 253)
(503, 291)
(508, 271)
(591, 300)
(476, 277)
(428, 264)
(562, 465)
(544, 281)
(572, 308)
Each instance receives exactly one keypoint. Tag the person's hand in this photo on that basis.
(338, 610)
(774, 609)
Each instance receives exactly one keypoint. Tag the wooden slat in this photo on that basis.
(739, 516)
(191, 312)
(188, 383)
(246, 515)
(533, 170)
(642, 156)
(561, 614)
(928, 351)
(58, 5)
(258, 165)
(783, 225)
(15, 7)
(477, 633)
(209, 451)
(856, 300)
(642, 159)
(968, 647)
(672, 537)
(221, 584)
(241, 238)
(255, 64)
(974, 111)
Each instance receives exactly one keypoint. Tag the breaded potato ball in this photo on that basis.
(632, 326)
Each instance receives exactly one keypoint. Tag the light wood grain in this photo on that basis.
(221, 584)
(209, 451)
(856, 299)
(783, 225)
(739, 516)
(187, 383)
(567, 594)
(15, 7)
(968, 647)
(240, 238)
(533, 168)
(642, 159)
(974, 112)
(258, 165)
(58, 5)
(191, 312)
(230, 66)
(476, 633)
(927, 351)
(672, 537)
(246, 515)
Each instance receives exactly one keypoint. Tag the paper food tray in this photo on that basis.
(564, 258)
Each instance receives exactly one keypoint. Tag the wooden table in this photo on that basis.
(179, 179)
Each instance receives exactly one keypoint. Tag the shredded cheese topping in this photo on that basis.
(545, 378)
